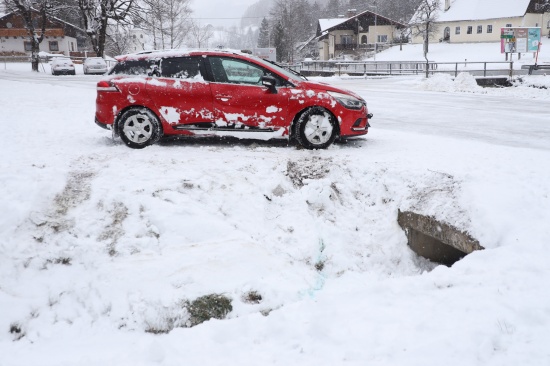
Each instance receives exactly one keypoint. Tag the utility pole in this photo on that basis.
(375, 6)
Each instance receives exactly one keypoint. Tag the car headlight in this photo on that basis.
(348, 101)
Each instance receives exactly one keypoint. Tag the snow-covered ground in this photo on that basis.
(101, 245)
(458, 52)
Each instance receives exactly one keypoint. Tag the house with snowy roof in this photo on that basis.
(469, 21)
(355, 34)
(60, 37)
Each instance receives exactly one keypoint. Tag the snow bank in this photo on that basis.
(100, 245)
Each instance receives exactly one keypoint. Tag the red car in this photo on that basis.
(222, 93)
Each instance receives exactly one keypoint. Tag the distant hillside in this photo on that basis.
(260, 9)
(400, 10)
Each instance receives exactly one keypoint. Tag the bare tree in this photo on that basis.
(200, 35)
(167, 21)
(424, 25)
(118, 40)
(97, 15)
(35, 14)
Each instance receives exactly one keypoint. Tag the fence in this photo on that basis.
(327, 68)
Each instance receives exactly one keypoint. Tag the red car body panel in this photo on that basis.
(178, 102)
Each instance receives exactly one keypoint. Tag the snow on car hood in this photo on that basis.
(321, 86)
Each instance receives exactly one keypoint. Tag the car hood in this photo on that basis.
(321, 86)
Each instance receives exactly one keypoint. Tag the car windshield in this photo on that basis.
(278, 68)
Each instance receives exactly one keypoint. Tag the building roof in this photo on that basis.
(482, 9)
(326, 24)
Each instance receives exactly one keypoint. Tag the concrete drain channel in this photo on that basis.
(434, 240)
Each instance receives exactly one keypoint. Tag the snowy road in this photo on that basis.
(101, 245)
(504, 120)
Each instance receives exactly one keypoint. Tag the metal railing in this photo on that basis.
(321, 68)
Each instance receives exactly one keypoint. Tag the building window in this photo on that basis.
(479, 29)
(509, 25)
(363, 39)
(457, 30)
(345, 39)
(28, 46)
(382, 38)
(489, 29)
(447, 34)
(469, 29)
(9, 25)
(54, 46)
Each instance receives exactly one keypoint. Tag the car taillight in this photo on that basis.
(106, 86)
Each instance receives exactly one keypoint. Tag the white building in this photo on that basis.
(355, 34)
(59, 37)
(467, 21)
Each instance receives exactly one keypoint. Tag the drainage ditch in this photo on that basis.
(435, 240)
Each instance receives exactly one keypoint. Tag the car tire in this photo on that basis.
(316, 128)
(139, 127)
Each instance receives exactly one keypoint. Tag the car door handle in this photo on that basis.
(223, 98)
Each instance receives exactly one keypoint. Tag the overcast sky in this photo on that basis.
(220, 9)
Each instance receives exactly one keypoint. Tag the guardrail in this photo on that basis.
(326, 68)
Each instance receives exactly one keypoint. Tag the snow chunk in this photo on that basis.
(170, 114)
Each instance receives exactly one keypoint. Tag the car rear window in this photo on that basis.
(131, 67)
(180, 67)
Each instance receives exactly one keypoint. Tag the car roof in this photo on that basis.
(148, 55)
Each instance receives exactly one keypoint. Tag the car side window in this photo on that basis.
(132, 67)
(181, 67)
(227, 70)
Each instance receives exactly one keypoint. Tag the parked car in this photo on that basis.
(62, 65)
(94, 65)
(222, 93)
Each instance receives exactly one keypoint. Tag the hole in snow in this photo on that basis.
(434, 240)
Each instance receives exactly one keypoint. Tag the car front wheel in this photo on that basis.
(139, 127)
(316, 128)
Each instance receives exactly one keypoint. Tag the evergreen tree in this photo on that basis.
(333, 9)
(263, 38)
(279, 41)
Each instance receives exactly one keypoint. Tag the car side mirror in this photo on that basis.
(270, 82)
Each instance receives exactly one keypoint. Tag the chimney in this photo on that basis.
(447, 4)
(351, 13)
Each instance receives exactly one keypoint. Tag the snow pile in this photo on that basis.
(464, 82)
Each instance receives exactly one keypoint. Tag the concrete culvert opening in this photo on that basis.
(434, 240)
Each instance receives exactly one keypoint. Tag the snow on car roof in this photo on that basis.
(181, 52)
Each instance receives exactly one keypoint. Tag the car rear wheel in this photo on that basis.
(316, 128)
(139, 127)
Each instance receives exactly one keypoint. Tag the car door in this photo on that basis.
(240, 99)
(180, 93)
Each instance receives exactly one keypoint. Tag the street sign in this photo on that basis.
(519, 40)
